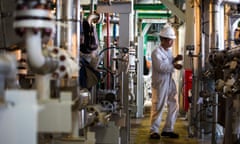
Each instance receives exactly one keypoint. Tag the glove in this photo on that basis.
(177, 66)
(177, 58)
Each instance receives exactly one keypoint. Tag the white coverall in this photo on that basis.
(163, 90)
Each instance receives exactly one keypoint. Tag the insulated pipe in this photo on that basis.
(230, 1)
(78, 29)
(34, 48)
(92, 17)
(37, 61)
(92, 7)
(214, 46)
(215, 7)
(35, 23)
(70, 14)
(59, 9)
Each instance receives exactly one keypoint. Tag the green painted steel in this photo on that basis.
(149, 7)
(137, 7)
(152, 38)
(99, 31)
(145, 11)
(148, 15)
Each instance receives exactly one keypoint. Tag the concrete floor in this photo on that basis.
(140, 133)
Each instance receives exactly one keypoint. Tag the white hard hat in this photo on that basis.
(168, 32)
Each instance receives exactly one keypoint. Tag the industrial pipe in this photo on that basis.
(68, 12)
(34, 22)
(230, 1)
(37, 61)
(215, 7)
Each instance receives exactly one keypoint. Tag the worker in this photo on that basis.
(163, 85)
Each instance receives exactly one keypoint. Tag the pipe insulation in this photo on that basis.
(215, 27)
(69, 13)
(230, 1)
(34, 49)
(37, 26)
(37, 61)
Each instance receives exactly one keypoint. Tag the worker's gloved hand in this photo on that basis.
(177, 66)
(178, 58)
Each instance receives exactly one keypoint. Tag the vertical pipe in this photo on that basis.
(214, 46)
(190, 41)
(69, 20)
(114, 55)
(197, 62)
(57, 41)
(69, 13)
(92, 7)
(78, 28)
(108, 52)
(43, 87)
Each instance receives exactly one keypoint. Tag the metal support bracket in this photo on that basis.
(174, 9)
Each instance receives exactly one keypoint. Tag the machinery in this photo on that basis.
(66, 78)
(213, 60)
(59, 94)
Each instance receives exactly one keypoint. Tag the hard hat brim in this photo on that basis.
(170, 37)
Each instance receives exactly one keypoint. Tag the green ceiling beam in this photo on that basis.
(137, 7)
(151, 7)
(154, 15)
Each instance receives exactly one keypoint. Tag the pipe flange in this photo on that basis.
(49, 66)
(36, 19)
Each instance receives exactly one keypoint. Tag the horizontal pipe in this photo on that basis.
(231, 1)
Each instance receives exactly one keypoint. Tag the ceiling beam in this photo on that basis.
(175, 10)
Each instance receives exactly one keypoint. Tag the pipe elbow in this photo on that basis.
(49, 66)
(95, 18)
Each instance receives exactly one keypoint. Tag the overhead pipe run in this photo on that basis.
(230, 1)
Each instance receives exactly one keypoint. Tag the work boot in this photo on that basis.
(154, 136)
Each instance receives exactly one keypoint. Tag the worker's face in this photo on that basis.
(166, 42)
